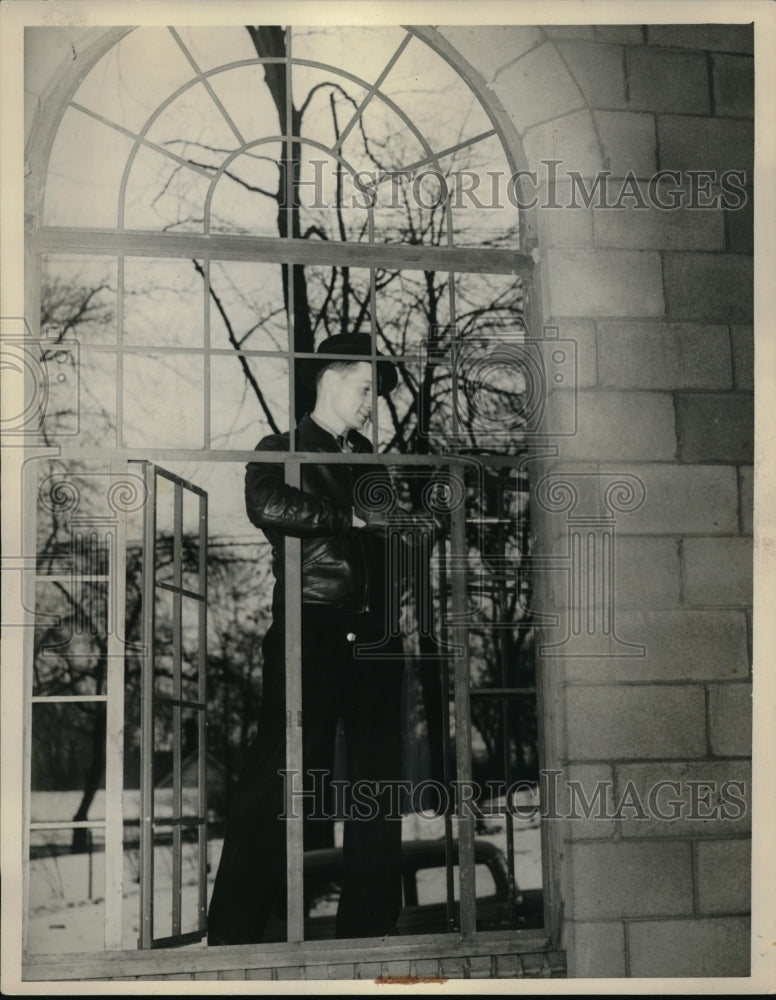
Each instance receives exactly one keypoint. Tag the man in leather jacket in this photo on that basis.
(345, 603)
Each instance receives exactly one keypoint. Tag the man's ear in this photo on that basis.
(324, 382)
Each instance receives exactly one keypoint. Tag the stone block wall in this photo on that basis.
(653, 875)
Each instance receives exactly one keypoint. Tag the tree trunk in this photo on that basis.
(271, 42)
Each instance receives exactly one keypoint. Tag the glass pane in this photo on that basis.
(257, 118)
(84, 190)
(397, 422)
(120, 86)
(135, 526)
(163, 675)
(499, 657)
(164, 194)
(432, 883)
(68, 761)
(163, 867)
(498, 580)
(211, 47)
(413, 316)
(77, 490)
(487, 385)
(490, 304)
(517, 899)
(328, 99)
(248, 399)
(131, 793)
(413, 311)
(78, 297)
(67, 891)
(362, 51)
(194, 128)
(97, 418)
(163, 641)
(330, 205)
(322, 888)
(491, 717)
(507, 772)
(477, 181)
(71, 636)
(164, 760)
(339, 300)
(246, 306)
(190, 761)
(190, 665)
(163, 401)
(163, 302)
(190, 880)
(190, 540)
(246, 196)
(165, 529)
(131, 914)
(435, 97)
(64, 376)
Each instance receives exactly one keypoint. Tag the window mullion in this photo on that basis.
(463, 735)
(120, 351)
(447, 750)
(114, 743)
(202, 714)
(356, 118)
(293, 573)
(207, 85)
(207, 347)
(29, 581)
(147, 714)
(294, 720)
(177, 654)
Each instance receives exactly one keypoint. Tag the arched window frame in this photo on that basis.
(42, 239)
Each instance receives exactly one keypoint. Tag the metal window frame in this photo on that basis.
(294, 252)
(149, 700)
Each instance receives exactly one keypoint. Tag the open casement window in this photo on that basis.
(258, 190)
(173, 809)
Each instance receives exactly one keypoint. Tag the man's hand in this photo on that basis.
(357, 521)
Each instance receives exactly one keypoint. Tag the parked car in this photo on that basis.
(424, 892)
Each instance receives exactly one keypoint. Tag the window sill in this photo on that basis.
(486, 955)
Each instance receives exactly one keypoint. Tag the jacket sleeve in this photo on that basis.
(271, 503)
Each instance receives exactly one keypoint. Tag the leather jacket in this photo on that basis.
(342, 566)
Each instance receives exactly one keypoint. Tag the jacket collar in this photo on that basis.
(310, 436)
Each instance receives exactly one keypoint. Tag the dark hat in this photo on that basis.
(359, 345)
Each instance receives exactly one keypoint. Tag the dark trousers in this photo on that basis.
(366, 695)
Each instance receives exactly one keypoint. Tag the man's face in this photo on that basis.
(351, 399)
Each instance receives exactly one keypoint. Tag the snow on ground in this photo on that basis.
(64, 918)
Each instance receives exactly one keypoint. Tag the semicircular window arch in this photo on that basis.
(395, 111)
(218, 201)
